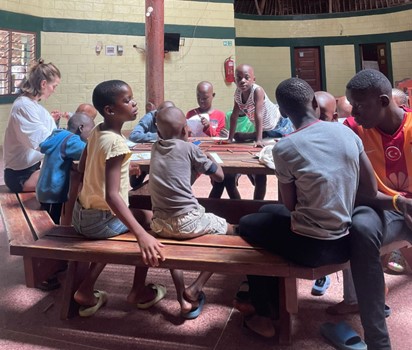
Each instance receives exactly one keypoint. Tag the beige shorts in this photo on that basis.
(193, 224)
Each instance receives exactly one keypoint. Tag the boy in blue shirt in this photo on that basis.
(61, 148)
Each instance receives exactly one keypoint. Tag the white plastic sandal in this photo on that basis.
(396, 262)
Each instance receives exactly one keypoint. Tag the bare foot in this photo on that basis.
(84, 299)
(141, 296)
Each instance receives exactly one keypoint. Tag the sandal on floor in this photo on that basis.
(342, 336)
(320, 286)
(396, 262)
(243, 292)
(160, 294)
(196, 311)
(87, 311)
(51, 283)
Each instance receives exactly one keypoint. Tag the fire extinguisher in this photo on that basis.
(229, 70)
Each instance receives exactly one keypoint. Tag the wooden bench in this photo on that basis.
(45, 246)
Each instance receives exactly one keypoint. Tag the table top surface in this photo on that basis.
(234, 158)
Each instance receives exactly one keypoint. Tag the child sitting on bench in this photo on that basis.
(174, 165)
(102, 208)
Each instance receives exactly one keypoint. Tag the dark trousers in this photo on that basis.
(370, 229)
(270, 228)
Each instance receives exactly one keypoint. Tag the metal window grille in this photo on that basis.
(17, 53)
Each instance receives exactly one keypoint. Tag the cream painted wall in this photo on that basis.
(339, 59)
(74, 54)
(340, 67)
(401, 60)
(271, 65)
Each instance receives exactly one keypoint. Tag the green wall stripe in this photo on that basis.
(332, 40)
(127, 28)
(325, 15)
(92, 27)
(11, 20)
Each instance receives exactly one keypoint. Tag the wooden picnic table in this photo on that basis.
(236, 158)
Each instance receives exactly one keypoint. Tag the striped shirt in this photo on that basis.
(390, 155)
(271, 114)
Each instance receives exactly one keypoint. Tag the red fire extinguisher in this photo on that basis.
(229, 70)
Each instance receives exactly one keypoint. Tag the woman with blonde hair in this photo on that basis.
(29, 124)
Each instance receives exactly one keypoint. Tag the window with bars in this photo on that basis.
(17, 53)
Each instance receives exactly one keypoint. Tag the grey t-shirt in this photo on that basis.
(174, 165)
(322, 160)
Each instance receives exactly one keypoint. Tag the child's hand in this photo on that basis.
(151, 250)
(134, 168)
(224, 133)
(204, 122)
(259, 144)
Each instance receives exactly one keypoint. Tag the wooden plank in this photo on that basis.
(223, 260)
(17, 228)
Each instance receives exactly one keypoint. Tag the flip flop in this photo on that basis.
(342, 336)
(388, 311)
(87, 311)
(160, 294)
(320, 286)
(243, 292)
(195, 312)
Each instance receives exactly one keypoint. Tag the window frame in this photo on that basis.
(10, 97)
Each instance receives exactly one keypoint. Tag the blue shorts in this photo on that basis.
(95, 223)
(15, 179)
(283, 127)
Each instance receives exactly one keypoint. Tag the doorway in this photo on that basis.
(307, 66)
(374, 56)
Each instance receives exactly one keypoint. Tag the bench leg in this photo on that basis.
(285, 320)
(37, 270)
(76, 272)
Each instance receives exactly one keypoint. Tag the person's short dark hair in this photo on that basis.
(105, 94)
(293, 95)
(370, 80)
(77, 120)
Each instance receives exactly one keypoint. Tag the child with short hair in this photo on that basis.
(174, 165)
(252, 100)
(102, 209)
(318, 188)
(215, 123)
(61, 148)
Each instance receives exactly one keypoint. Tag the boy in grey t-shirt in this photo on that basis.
(174, 165)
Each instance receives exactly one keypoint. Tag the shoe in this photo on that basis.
(342, 309)
(342, 336)
(87, 311)
(396, 262)
(196, 311)
(320, 286)
(244, 307)
(51, 283)
(260, 325)
(160, 294)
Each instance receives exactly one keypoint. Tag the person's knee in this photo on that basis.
(366, 228)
